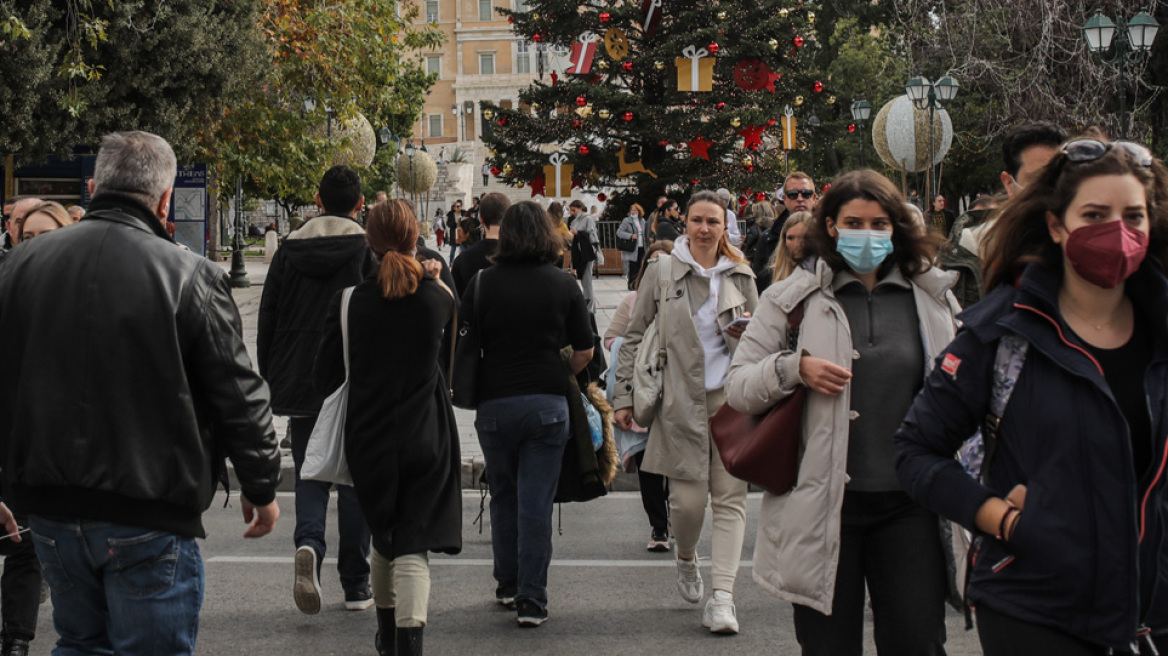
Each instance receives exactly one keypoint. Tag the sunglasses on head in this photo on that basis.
(1089, 150)
(805, 194)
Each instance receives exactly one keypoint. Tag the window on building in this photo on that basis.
(434, 65)
(486, 63)
(436, 125)
(431, 11)
(486, 10)
(522, 57)
(520, 5)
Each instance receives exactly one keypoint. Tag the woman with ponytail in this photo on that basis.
(401, 441)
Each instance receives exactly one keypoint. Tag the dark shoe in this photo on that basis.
(306, 586)
(14, 647)
(286, 443)
(385, 627)
(658, 541)
(530, 614)
(505, 595)
(360, 599)
(409, 641)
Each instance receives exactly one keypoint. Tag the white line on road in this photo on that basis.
(458, 562)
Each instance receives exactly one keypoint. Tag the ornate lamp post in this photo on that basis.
(861, 110)
(410, 150)
(238, 273)
(1133, 41)
(932, 96)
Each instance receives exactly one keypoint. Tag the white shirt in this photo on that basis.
(732, 233)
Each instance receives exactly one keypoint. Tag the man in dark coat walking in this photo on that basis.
(326, 255)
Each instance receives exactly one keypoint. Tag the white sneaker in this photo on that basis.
(306, 587)
(720, 616)
(689, 580)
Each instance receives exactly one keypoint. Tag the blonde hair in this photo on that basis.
(783, 263)
(49, 208)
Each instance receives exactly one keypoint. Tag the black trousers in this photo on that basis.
(1002, 635)
(654, 495)
(20, 586)
(893, 545)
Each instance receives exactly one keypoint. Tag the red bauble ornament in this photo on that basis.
(502, 121)
(511, 19)
(753, 146)
(818, 87)
(583, 150)
(852, 127)
(720, 106)
(759, 196)
(495, 171)
(627, 116)
(581, 101)
(605, 17)
(663, 143)
(577, 123)
(602, 197)
(693, 182)
(628, 66)
(749, 168)
(537, 37)
(798, 42)
(771, 123)
(713, 48)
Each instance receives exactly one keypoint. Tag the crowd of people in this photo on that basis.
(985, 400)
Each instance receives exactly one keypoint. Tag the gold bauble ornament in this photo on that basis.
(507, 169)
(798, 100)
(722, 15)
(735, 122)
(831, 100)
(535, 107)
(659, 65)
(783, 13)
(810, 17)
(535, 16)
(520, 185)
(747, 160)
(774, 44)
(488, 114)
(602, 64)
(604, 114)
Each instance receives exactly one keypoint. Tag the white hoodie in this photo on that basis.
(717, 354)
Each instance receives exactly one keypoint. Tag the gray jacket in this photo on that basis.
(797, 551)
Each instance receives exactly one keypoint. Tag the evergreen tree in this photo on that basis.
(633, 109)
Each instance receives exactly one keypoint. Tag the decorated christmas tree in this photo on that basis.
(650, 95)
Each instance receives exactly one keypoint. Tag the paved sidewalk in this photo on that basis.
(609, 292)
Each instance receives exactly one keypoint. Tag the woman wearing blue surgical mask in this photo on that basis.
(874, 316)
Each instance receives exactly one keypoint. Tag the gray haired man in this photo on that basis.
(130, 388)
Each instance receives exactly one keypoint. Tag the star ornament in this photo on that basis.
(700, 148)
(537, 186)
(771, 78)
(752, 134)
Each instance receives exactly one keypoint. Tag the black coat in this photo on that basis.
(328, 254)
(127, 380)
(401, 440)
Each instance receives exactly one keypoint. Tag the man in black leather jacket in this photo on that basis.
(130, 384)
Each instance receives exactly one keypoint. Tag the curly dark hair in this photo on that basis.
(913, 250)
(526, 236)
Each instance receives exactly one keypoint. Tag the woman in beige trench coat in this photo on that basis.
(693, 295)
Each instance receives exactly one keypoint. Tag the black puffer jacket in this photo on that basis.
(129, 376)
(326, 255)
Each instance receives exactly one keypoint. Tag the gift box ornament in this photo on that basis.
(558, 176)
(695, 70)
(652, 10)
(583, 52)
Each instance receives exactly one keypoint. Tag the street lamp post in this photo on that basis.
(410, 152)
(1133, 41)
(932, 96)
(238, 273)
(861, 110)
(813, 123)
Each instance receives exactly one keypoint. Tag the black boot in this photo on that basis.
(19, 647)
(385, 645)
(409, 641)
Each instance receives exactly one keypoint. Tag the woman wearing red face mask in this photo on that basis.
(1069, 514)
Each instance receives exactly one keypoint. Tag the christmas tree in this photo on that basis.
(656, 95)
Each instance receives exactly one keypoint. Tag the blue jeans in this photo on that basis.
(120, 589)
(523, 440)
(312, 499)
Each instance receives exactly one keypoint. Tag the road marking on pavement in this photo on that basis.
(458, 562)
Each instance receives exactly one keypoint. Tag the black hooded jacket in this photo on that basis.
(326, 255)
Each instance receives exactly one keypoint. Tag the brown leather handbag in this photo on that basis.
(763, 450)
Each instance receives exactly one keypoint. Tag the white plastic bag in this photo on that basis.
(324, 457)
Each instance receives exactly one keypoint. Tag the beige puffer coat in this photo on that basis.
(797, 549)
(679, 438)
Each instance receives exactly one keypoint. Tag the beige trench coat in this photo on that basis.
(797, 549)
(679, 438)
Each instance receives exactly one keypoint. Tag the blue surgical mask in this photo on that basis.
(864, 250)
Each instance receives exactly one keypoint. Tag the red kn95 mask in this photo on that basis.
(1106, 254)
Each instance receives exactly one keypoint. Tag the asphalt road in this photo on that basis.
(607, 595)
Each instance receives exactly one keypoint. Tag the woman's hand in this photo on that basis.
(736, 331)
(623, 419)
(823, 376)
(993, 511)
(432, 267)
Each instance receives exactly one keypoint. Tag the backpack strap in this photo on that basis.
(1008, 363)
(345, 296)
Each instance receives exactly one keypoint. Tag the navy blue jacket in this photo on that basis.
(1089, 531)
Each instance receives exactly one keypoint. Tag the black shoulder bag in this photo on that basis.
(468, 353)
